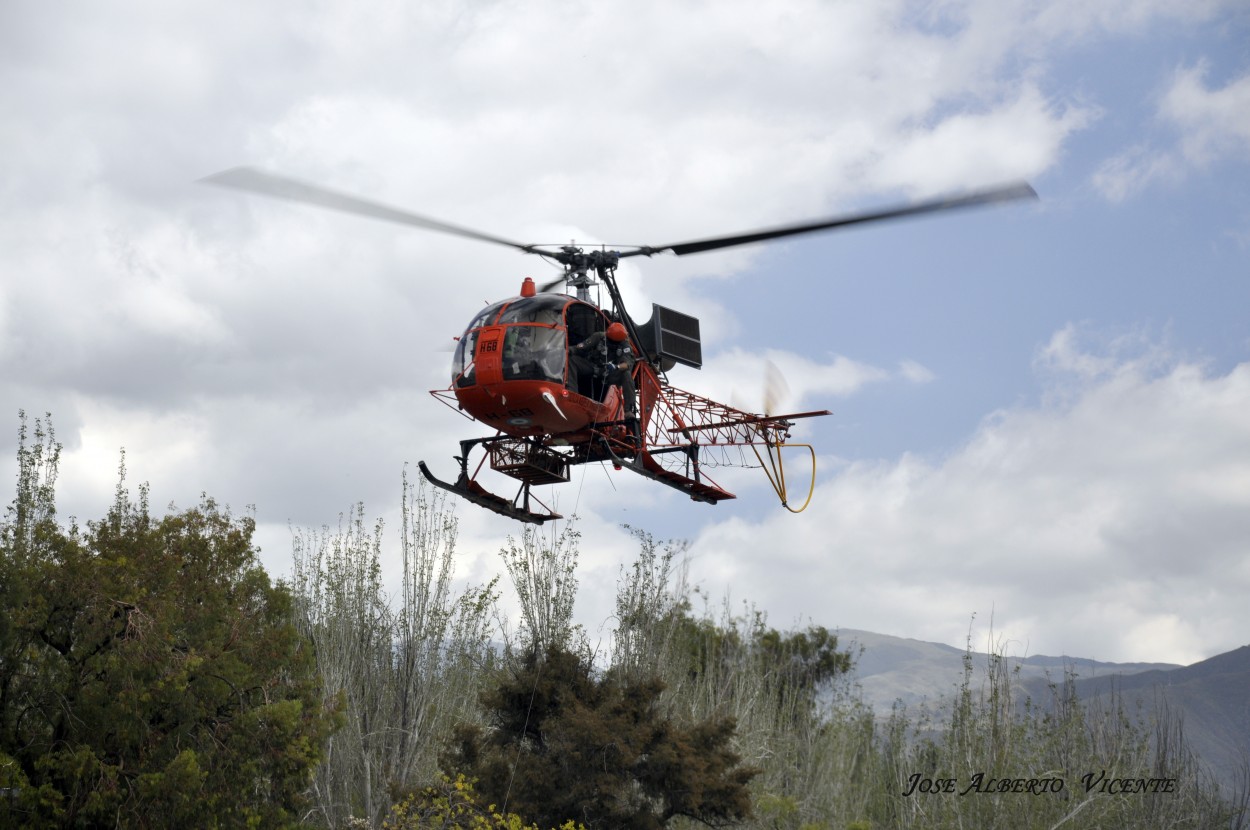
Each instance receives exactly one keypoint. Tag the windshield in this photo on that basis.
(534, 352)
(535, 343)
(547, 309)
(486, 316)
(462, 364)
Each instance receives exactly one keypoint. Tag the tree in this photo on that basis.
(786, 691)
(404, 674)
(544, 573)
(149, 671)
(565, 745)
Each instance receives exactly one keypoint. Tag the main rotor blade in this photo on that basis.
(268, 184)
(983, 197)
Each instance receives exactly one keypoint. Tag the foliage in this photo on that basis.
(454, 804)
(779, 688)
(563, 744)
(149, 673)
(651, 607)
(827, 761)
(658, 632)
(403, 674)
(544, 574)
(802, 660)
(555, 739)
(792, 667)
(985, 734)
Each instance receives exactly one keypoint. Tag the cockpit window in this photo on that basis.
(486, 317)
(462, 364)
(544, 309)
(462, 374)
(535, 343)
(534, 353)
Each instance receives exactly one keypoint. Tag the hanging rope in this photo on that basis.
(776, 471)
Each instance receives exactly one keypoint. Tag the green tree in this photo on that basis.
(149, 671)
(565, 745)
(787, 692)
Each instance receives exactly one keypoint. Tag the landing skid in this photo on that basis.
(644, 465)
(468, 489)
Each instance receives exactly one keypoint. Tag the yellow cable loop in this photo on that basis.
(777, 477)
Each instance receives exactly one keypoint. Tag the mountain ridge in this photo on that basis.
(1211, 697)
(890, 668)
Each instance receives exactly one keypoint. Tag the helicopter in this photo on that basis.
(565, 381)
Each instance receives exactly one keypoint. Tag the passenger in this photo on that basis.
(611, 356)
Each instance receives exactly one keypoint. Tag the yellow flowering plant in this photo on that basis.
(453, 803)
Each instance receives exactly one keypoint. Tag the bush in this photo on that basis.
(454, 805)
(565, 745)
(149, 672)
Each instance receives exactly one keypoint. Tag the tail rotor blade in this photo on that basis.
(776, 389)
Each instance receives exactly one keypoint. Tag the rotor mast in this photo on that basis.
(579, 264)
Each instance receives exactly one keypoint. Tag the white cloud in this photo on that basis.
(1067, 18)
(915, 372)
(274, 355)
(1213, 122)
(970, 146)
(1132, 171)
(1110, 522)
(1210, 124)
(742, 376)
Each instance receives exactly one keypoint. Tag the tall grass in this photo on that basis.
(828, 761)
(990, 758)
(403, 678)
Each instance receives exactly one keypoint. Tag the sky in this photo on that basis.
(1041, 412)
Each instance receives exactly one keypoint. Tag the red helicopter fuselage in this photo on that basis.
(514, 368)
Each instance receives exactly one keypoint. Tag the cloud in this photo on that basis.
(1132, 171)
(277, 356)
(970, 146)
(1110, 521)
(1213, 122)
(1068, 18)
(1209, 124)
(742, 376)
(915, 372)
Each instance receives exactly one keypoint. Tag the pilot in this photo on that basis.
(520, 353)
(614, 359)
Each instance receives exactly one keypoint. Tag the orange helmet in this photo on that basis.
(616, 333)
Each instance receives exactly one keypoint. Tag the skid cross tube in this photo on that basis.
(467, 487)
